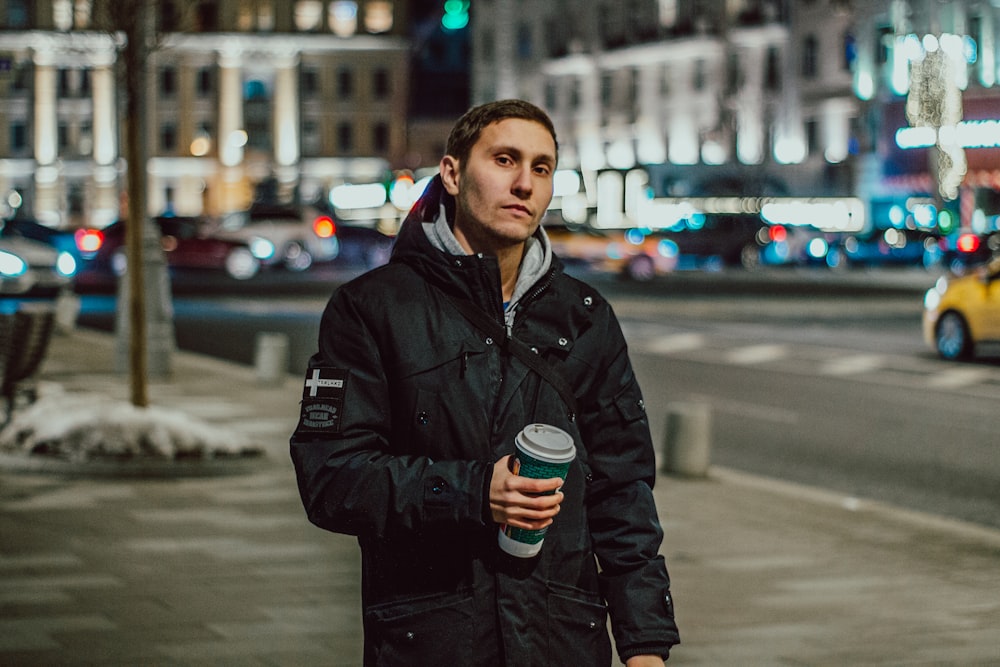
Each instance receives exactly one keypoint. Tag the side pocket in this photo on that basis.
(630, 405)
(578, 630)
(436, 630)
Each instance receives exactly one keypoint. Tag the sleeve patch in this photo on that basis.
(323, 400)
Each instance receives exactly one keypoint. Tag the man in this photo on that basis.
(409, 414)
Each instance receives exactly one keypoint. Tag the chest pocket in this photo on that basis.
(442, 401)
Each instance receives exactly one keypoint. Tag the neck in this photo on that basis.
(510, 268)
(508, 256)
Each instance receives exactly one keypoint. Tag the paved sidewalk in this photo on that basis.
(227, 571)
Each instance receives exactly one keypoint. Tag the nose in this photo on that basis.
(522, 184)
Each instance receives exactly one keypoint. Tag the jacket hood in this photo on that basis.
(426, 240)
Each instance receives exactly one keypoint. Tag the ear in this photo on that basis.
(449, 174)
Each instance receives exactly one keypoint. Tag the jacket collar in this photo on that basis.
(426, 240)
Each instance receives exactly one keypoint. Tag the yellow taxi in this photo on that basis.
(963, 312)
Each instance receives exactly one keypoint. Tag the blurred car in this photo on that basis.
(960, 251)
(300, 235)
(62, 240)
(362, 246)
(712, 241)
(962, 312)
(896, 247)
(605, 250)
(30, 268)
(186, 244)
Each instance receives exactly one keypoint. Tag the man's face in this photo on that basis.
(505, 185)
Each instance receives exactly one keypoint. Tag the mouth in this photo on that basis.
(517, 208)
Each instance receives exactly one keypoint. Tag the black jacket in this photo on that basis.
(405, 409)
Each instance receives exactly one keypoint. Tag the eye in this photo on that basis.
(504, 160)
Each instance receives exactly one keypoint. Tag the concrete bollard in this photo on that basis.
(67, 310)
(686, 447)
(271, 358)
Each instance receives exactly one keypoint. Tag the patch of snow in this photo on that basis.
(86, 426)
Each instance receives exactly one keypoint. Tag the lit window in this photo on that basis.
(62, 14)
(343, 17)
(17, 14)
(378, 16)
(308, 15)
(244, 21)
(81, 14)
(265, 16)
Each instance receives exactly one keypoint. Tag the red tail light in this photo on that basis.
(324, 227)
(778, 233)
(88, 240)
(968, 243)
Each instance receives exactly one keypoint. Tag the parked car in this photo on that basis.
(186, 242)
(961, 251)
(300, 235)
(962, 312)
(714, 241)
(30, 268)
(618, 251)
(896, 247)
(62, 240)
(362, 246)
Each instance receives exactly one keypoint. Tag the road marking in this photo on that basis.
(853, 364)
(749, 410)
(958, 377)
(755, 354)
(672, 343)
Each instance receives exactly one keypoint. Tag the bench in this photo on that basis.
(24, 339)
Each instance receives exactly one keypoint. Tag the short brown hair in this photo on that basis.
(467, 129)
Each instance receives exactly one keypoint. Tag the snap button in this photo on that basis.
(410, 636)
(592, 625)
(588, 301)
(562, 342)
(489, 341)
(534, 349)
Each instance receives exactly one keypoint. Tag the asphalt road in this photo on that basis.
(809, 377)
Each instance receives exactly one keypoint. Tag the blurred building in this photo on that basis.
(754, 98)
(926, 76)
(304, 94)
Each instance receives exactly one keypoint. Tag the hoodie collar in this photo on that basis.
(434, 212)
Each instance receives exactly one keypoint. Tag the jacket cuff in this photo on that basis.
(658, 649)
(487, 513)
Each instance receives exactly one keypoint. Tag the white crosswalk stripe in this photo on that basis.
(756, 354)
(819, 360)
(853, 364)
(959, 377)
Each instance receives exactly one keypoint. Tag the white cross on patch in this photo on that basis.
(317, 381)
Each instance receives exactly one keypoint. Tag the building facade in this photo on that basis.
(754, 98)
(306, 93)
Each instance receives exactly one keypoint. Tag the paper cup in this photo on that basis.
(540, 452)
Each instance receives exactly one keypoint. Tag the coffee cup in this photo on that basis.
(541, 451)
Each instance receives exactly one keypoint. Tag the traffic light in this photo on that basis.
(456, 14)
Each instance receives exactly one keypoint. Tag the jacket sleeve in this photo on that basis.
(349, 480)
(622, 514)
